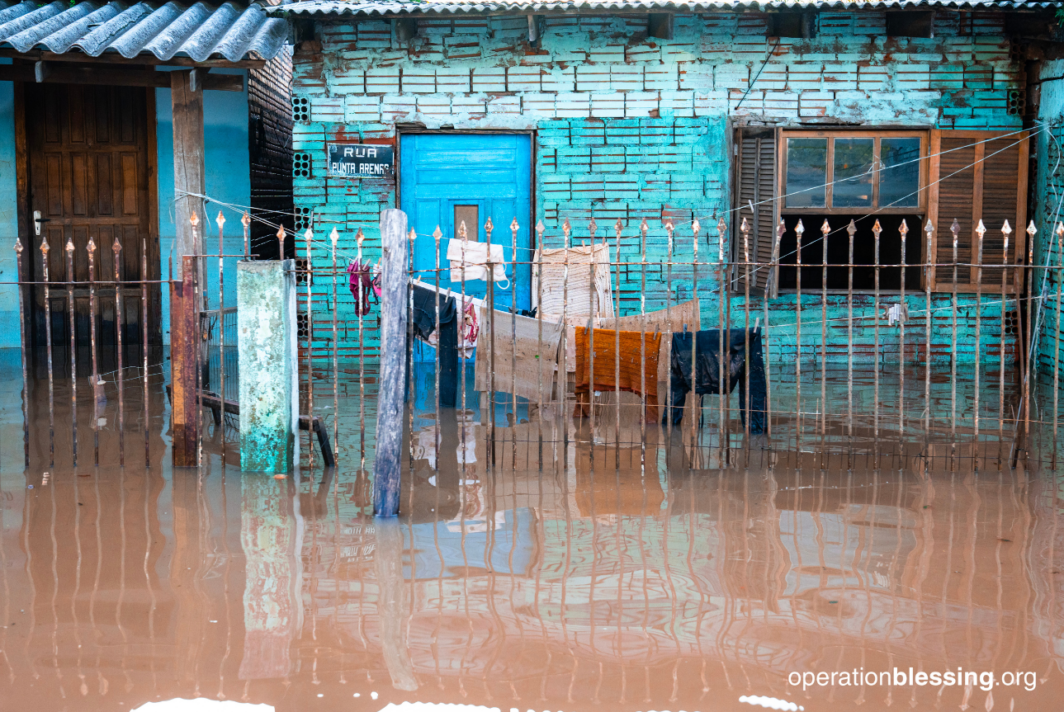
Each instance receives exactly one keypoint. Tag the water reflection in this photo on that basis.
(614, 577)
(671, 590)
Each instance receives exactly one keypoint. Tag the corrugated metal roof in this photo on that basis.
(198, 31)
(388, 7)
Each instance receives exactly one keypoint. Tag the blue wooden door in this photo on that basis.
(446, 178)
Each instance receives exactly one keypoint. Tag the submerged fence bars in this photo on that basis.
(858, 342)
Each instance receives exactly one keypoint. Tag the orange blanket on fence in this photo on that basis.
(631, 375)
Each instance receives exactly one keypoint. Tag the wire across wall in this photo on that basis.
(817, 368)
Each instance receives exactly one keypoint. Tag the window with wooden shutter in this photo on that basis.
(977, 175)
(756, 186)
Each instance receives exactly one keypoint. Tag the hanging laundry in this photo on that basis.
(469, 332)
(588, 268)
(471, 258)
(677, 318)
(517, 338)
(708, 370)
(634, 369)
(362, 286)
(424, 327)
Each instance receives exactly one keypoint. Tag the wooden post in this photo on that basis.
(392, 395)
(188, 160)
(184, 305)
(184, 340)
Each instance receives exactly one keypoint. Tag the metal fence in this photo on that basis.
(820, 391)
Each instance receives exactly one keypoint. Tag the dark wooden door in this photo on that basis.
(88, 170)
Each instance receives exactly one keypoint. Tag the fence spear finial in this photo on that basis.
(437, 234)
(904, 228)
(566, 229)
(359, 237)
(592, 227)
(220, 220)
(334, 236)
(488, 227)
(463, 233)
(246, 219)
(18, 245)
(280, 240)
(539, 232)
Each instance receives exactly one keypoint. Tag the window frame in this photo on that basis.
(831, 135)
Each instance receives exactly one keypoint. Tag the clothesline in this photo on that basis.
(478, 303)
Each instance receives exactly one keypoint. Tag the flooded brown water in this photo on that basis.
(609, 578)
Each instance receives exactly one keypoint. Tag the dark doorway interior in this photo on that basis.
(863, 253)
(88, 166)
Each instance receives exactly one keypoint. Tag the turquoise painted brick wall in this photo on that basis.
(630, 127)
(1049, 192)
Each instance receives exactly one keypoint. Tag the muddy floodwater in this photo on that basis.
(579, 571)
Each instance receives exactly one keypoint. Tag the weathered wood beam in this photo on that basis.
(47, 72)
(392, 391)
(184, 345)
(197, 77)
(189, 171)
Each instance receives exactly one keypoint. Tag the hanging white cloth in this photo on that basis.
(472, 259)
(587, 265)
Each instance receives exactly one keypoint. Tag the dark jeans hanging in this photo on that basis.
(425, 324)
(707, 372)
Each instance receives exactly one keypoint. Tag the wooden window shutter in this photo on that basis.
(755, 183)
(977, 175)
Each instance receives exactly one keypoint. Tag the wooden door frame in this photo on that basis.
(24, 216)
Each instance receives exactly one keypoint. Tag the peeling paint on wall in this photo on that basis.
(629, 127)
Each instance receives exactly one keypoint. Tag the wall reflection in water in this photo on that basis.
(638, 587)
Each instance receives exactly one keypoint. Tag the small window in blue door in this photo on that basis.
(447, 178)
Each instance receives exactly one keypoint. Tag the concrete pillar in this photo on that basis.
(269, 386)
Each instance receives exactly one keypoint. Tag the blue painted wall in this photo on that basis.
(225, 137)
(9, 331)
